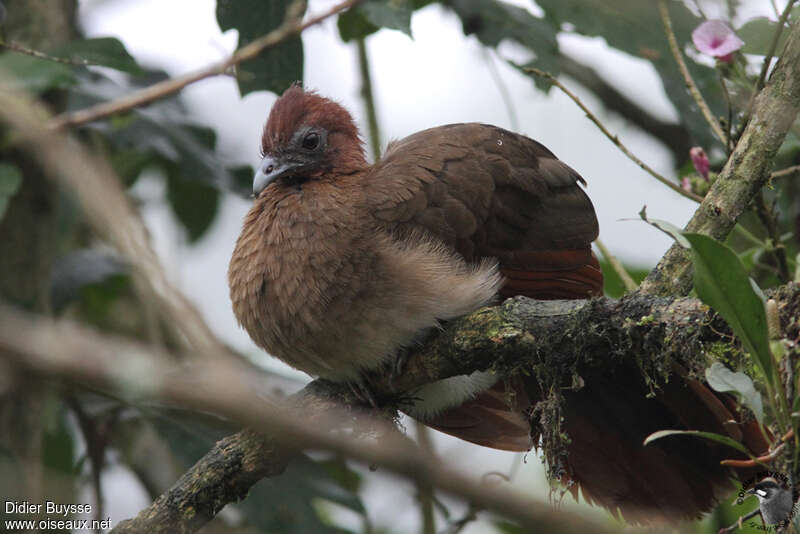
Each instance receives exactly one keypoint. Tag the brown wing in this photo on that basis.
(489, 192)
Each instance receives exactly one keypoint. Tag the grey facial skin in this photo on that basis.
(774, 501)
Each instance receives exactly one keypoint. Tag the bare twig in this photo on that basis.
(614, 139)
(673, 135)
(687, 77)
(291, 26)
(788, 171)
(369, 98)
(501, 88)
(775, 8)
(769, 219)
(729, 122)
(16, 47)
(759, 461)
(627, 281)
(773, 46)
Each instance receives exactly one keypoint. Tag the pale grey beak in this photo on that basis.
(269, 170)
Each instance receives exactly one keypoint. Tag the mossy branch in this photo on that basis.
(547, 340)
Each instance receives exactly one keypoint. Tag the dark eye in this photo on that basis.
(311, 141)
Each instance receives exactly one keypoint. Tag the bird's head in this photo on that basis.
(766, 489)
(307, 137)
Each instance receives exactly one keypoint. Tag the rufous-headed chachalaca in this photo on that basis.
(341, 264)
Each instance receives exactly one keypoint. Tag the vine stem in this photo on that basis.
(687, 77)
(614, 139)
(627, 281)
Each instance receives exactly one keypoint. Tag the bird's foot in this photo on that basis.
(363, 392)
(403, 354)
(398, 366)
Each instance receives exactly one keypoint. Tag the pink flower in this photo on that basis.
(700, 161)
(716, 38)
(686, 185)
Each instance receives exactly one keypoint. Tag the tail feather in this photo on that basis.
(493, 418)
(672, 478)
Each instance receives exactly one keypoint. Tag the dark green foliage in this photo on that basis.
(274, 69)
(194, 203)
(721, 282)
(373, 15)
(90, 274)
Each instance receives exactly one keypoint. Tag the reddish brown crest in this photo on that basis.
(297, 107)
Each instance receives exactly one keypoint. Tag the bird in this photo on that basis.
(775, 502)
(341, 265)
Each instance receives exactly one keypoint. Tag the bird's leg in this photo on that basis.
(402, 354)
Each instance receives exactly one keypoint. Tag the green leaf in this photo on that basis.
(758, 34)
(194, 203)
(373, 15)
(390, 14)
(725, 440)
(58, 447)
(242, 180)
(21, 72)
(722, 379)
(104, 51)
(10, 180)
(721, 282)
(129, 163)
(274, 69)
(188, 149)
(353, 24)
(665, 226)
(90, 274)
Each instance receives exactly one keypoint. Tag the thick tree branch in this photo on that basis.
(745, 172)
(524, 333)
(548, 340)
